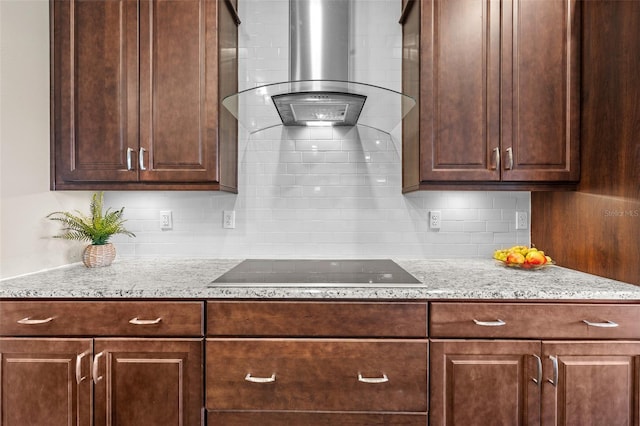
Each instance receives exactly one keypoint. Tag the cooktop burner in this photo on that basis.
(289, 272)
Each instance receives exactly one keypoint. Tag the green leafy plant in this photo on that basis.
(98, 227)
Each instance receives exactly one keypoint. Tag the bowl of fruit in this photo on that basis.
(523, 257)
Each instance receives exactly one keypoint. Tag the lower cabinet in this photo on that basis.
(484, 383)
(123, 381)
(147, 382)
(44, 382)
(150, 375)
(535, 377)
(281, 375)
(591, 383)
(534, 382)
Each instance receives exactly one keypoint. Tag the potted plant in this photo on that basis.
(98, 227)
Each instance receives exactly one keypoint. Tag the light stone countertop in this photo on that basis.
(191, 279)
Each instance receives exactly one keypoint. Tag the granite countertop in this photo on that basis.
(191, 279)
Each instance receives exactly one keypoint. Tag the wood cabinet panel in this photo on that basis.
(481, 383)
(284, 418)
(135, 95)
(320, 319)
(57, 318)
(148, 382)
(535, 320)
(45, 382)
(606, 209)
(541, 90)
(94, 89)
(498, 94)
(596, 383)
(460, 90)
(316, 374)
(178, 110)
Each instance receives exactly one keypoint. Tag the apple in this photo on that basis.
(536, 258)
(515, 258)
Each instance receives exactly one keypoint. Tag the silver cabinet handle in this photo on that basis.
(137, 321)
(496, 323)
(94, 370)
(554, 381)
(510, 157)
(382, 379)
(129, 165)
(141, 159)
(252, 379)
(79, 376)
(607, 324)
(496, 157)
(29, 321)
(538, 379)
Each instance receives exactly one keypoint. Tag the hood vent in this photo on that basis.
(319, 92)
(319, 108)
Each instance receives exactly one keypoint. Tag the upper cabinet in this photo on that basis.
(136, 91)
(498, 89)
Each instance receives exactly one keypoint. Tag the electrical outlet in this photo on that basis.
(434, 219)
(522, 220)
(229, 219)
(166, 221)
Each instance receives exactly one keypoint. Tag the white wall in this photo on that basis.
(303, 193)
(25, 199)
(321, 192)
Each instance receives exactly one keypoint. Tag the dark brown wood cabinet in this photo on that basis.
(136, 91)
(480, 380)
(594, 383)
(484, 382)
(45, 381)
(497, 84)
(147, 382)
(151, 376)
(316, 363)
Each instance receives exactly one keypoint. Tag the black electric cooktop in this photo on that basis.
(290, 272)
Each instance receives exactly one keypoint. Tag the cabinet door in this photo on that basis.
(94, 91)
(45, 382)
(178, 90)
(459, 95)
(541, 90)
(594, 383)
(148, 382)
(484, 383)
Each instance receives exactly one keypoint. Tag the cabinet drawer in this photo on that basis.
(56, 318)
(284, 418)
(318, 374)
(319, 319)
(535, 320)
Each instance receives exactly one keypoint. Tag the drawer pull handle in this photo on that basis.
(496, 323)
(382, 379)
(29, 321)
(79, 376)
(608, 324)
(252, 379)
(94, 371)
(554, 361)
(538, 380)
(137, 321)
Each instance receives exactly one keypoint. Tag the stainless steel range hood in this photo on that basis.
(319, 92)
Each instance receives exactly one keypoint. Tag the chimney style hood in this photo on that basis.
(319, 92)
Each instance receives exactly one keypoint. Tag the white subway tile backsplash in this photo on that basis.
(320, 192)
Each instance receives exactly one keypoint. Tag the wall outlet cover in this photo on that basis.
(522, 220)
